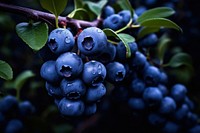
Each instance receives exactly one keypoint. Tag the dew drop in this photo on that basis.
(99, 31)
(67, 40)
(99, 69)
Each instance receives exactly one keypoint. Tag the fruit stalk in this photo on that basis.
(48, 17)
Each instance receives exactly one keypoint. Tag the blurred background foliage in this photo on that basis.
(47, 118)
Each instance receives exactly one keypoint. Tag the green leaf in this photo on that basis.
(125, 38)
(96, 7)
(35, 34)
(147, 30)
(162, 47)
(54, 6)
(180, 59)
(5, 70)
(80, 14)
(126, 5)
(78, 4)
(159, 12)
(159, 23)
(22, 78)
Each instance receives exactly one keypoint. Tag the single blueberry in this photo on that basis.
(69, 65)
(140, 10)
(178, 92)
(49, 73)
(95, 93)
(148, 41)
(113, 22)
(26, 108)
(14, 126)
(136, 104)
(137, 86)
(71, 107)
(115, 72)
(167, 106)
(60, 40)
(92, 41)
(107, 11)
(73, 89)
(138, 61)
(126, 16)
(8, 104)
(94, 73)
(171, 127)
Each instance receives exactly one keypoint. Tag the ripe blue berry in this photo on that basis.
(178, 92)
(171, 127)
(69, 65)
(136, 104)
(26, 108)
(121, 50)
(94, 73)
(126, 16)
(163, 89)
(115, 72)
(151, 75)
(181, 112)
(14, 126)
(90, 109)
(137, 86)
(167, 106)
(73, 89)
(71, 108)
(113, 22)
(138, 61)
(152, 95)
(92, 41)
(95, 93)
(53, 90)
(8, 104)
(148, 41)
(107, 11)
(48, 72)
(60, 40)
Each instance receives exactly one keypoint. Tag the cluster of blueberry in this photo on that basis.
(13, 114)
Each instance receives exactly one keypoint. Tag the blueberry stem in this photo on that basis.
(48, 17)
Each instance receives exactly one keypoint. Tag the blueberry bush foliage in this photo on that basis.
(97, 66)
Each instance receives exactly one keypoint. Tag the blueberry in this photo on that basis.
(107, 11)
(121, 50)
(135, 17)
(90, 109)
(108, 54)
(48, 72)
(171, 127)
(95, 93)
(152, 96)
(69, 65)
(94, 73)
(156, 119)
(115, 72)
(26, 108)
(126, 16)
(53, 90)
(151, 75)
(113, 22)
(178, 92)
(8, 104)
(150, 2)
(71, 108)
(163, 78)
(140, 10)
(92, 41)
(137, 86)
(73, 89)
(14, 126)
(60, 40)
(167, 106)
(195, 129)
(138, 61)
(148, 41)
(136, 104)
(181, 112)
(163, 89)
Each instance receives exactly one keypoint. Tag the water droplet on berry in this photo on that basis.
(67, 39)
(99, 69)
(69, 84)
(99, 31)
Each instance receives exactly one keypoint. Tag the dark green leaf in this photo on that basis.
(162, 47)
(35, 34)
(22, 78)
(78, 4)
(159, 12)
(125, 5)
(125, 38)
(54, 6)
(79, 13)
(5, 70)
(147, 30)
(180, 59)
(96, 7)
(159, 23)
